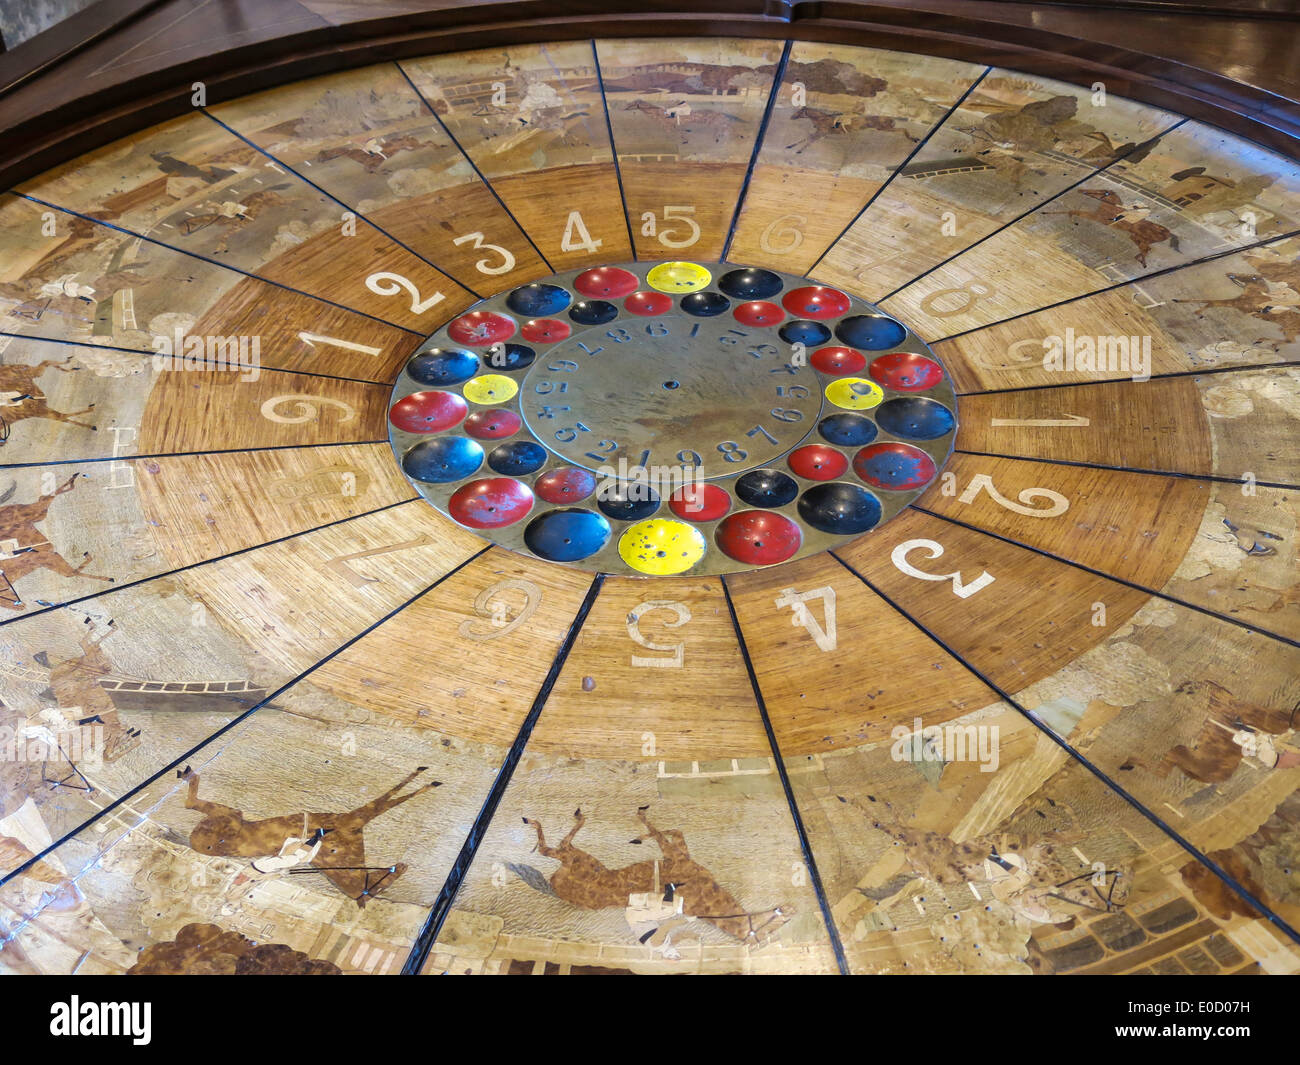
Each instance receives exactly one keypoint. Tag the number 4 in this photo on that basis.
(576, 237)
(825, 637)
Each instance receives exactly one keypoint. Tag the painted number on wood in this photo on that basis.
(1057, 504)
(312, 339)
(969, 295)
(783, 234)
(491, 606)
(576, 237)
(484, 266)
(340, 565)
(825, 634)
(669, 236)
(307, 408)
(1069, 419)
(676, 651)
(934, 550)
(385, 283)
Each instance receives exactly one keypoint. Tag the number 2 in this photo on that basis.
(385, 283)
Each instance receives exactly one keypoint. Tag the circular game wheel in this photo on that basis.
(564, 501)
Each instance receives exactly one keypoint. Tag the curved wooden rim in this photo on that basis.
(78, 86)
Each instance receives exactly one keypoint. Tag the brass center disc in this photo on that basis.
(672, 390)
(672, 418)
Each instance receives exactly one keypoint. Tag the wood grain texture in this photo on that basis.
(221, 411)
(664, 769)
(74, 530)
(200, 506)
(1007, 148)
(902, 832)
(369, 140)
(1196, 192)
(501, 618)
(685, 117)
(882, 671)
(532, 119)
(860, 113)
(192, 185)
(73, 279)
(1242, 559)
(618, 696)
(1157, 706)
(1158, 425)
(1133, 526)
(70, 401)
(1232, 311)
(1036, 615)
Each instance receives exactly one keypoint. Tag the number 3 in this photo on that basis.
(507, 260)
(934, 550)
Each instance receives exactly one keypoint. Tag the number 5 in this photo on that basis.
(634, 630)
(679, 214)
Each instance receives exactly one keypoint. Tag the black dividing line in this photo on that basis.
(181, 454)
(432, 926)
(202, 359)
(777, 80)
(1215, 478)
(205, 562)
(1033, 210)
(233, 723)
(473, 165)
(1285, 928)
(811, 862)
(1239, 368)
(613, 150)
(1111, 577)
(329, 195)
(1123, 284)
(213, 262)
(898, 169)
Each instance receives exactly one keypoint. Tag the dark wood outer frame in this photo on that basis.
(122, 65)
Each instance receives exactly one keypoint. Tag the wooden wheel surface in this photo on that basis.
(266, 709)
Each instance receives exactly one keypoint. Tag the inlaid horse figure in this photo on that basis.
(24, 549)
(335, 842)
(21, 397)
(582, 880)
(1130, 220)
